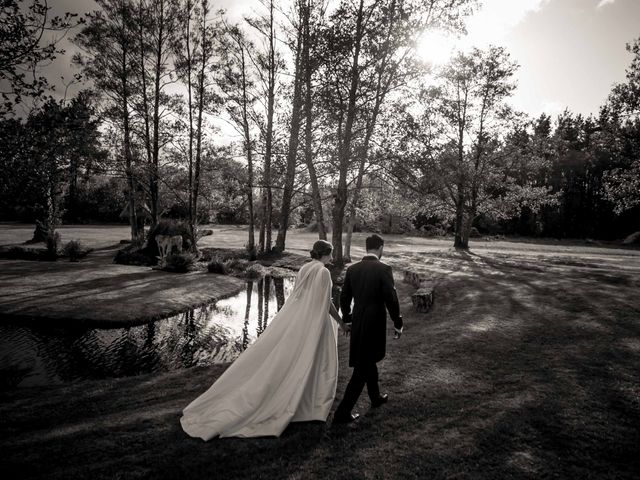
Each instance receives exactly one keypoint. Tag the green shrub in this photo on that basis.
(22, 253)
(133, 255)
(179, 262)
(236, 264)
(53, 244)
(432, 231)
(216, 266)
(255, 271)
(223, 254)
(75, 250)
(313, 227)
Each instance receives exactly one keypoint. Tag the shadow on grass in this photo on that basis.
(522, 369)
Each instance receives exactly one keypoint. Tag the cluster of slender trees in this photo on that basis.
(305, 85)
(327, 100)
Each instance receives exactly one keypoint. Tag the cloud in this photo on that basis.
(491, 23)
(605, 2)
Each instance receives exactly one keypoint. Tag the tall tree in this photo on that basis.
(238, 89)
(386, 73)
(472, 104)
(269, 64)
(157, 24)
(195, 51)
(369, 52)
(622, 112)
(310, 66)
(108, 57)
(42, 158)
(46, 128)
(458, 160)
(295, 123)
(345, 128)
(84, 146)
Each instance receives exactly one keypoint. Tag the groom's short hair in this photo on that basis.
(374, 242)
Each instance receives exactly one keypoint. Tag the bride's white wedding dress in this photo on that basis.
(288, 375)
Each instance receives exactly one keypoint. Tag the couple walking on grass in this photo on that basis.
(290, 373)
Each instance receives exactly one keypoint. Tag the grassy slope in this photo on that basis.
(525, 368)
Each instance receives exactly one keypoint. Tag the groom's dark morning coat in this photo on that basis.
(370, 284)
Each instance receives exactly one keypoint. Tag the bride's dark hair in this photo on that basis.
(320, 249)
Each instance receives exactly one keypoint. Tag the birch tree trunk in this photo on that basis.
(294, 140)
(124, 81)
(267, 196)
(344, 151)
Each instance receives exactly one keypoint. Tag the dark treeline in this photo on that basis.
(587, 160)
(305, 114)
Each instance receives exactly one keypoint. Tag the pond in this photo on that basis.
(216, 333)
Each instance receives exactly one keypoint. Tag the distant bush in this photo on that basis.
(133, 255)
(387, 223)
(75, 250)
(236, 265)
(232, 265)
(223, 254)
(216, 266)
(254, 271)
(53, 244)
(98, 199)
(313, 227)
(234, 261)
(179, 262)
(23, 253)
(432, 231)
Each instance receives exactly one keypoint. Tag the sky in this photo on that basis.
(570, 52)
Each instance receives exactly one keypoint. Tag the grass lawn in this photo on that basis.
(527, 366)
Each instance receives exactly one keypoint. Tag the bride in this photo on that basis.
(288, 375)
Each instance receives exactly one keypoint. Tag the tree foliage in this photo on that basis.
(25, 48)
(337, 120)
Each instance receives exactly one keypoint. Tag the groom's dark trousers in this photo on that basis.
(369, 283)
(363, 375)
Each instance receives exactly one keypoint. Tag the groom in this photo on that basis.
(370, 284)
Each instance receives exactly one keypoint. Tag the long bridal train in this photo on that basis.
(289, 374)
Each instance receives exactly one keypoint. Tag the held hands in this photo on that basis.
(346, 328)
(397, 333)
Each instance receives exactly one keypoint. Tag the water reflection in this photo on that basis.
(267, 287)
(215, 333)
(279, 285)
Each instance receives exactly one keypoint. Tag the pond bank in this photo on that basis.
(97, 292)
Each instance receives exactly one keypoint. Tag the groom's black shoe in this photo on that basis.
(381, 400)
(343, 419)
